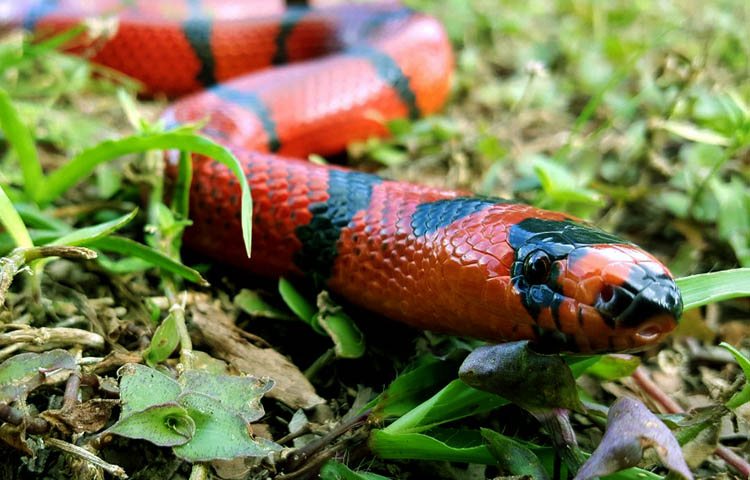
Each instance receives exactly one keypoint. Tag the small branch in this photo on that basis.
(301, 455)
(16, 417)
(557, 423)
(644, 381)
(17, 260)
(70, 397)
(53, 337)
(85, 455)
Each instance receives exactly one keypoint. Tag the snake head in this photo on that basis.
(602, 292)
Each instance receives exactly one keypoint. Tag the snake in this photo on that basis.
(276, 84)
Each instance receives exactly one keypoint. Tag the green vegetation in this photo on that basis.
(635, 116)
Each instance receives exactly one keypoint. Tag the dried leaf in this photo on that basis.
(219, 332)
(517, 373)
(631, 428)
(89, 417)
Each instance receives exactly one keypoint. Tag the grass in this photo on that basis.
(633, 116)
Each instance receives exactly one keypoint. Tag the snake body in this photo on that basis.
(433, 258)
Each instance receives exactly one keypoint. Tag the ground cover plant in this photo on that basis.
(121, 354)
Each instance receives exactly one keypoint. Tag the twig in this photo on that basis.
(70, 397)
(301, 455)
(17, 260)
(15, 416)
(53, 337)
(643, 380)
(84, 454)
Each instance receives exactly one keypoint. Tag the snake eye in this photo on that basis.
(536, 267)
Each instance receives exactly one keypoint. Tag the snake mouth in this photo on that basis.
(654, 329)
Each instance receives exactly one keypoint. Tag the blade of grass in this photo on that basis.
(87, 235)
(84, 163)
(12, 222)
(125, 246)
(34, 218)
(705, 288)
(22, 142)
(181, 192)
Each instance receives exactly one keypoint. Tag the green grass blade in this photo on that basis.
(125, 246)
(87, 235)
(12, 222)
(22, 142)
(181, 192)
(705, 288)
(399, 446)
(85, 162)
(456, 400)
(53, 43)
(34, 218)
(743, 396)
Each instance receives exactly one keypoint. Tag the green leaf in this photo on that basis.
(253, 304)
(564, 191)
(513, 457)
(455, 401)
(348, 340)
(125, 246)
(181, 188)
(705, 288)
(21, 373)
(22, 142)
(333, 470)
(394, 446)
(142, 387)
(166, 425)
(240, 395)
(34, 218)
(409, 389)
(108, 181)
(84, 163)
(220, 433)
(614, 366)
(163, 343)
(88, 235)
(691, 132)
(298, 304)
(734, 216)
(743, 396)
(12, 222)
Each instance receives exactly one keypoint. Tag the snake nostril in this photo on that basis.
(613, 300)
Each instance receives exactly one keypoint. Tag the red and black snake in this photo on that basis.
(436, 259)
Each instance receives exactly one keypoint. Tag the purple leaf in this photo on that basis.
(631, 428)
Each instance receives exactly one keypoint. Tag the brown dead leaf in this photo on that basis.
(631, 428)
(15, 436)
(231, 469)
(218, 331)
(113, 361)
(89, 417)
